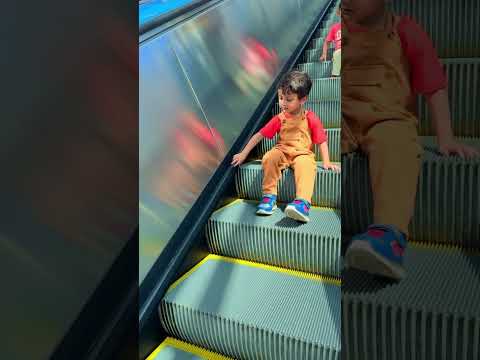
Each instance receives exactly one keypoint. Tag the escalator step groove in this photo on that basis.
(236, 231)
(248, 184)
(246, 311)
(447, 203)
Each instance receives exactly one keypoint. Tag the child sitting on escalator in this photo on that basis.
(386, 60)
(335, 36)
(298, 130)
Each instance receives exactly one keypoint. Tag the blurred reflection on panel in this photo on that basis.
(199, 85)
(178, 151)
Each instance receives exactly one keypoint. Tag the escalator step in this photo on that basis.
(333, 146)
(313, 55)
(447, 209)
(421, 317)
(317, 70)
(248, 184)
(463, 90)
(173, 349)
(460, 38)
(251, 311)
(322, 32)
(325, 89)
(317, 43)
(314, 247)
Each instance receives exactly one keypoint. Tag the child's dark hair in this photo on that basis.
(296, 82)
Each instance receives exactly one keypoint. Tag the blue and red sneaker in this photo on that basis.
(268, 205)
(298, 210)
(378, 251)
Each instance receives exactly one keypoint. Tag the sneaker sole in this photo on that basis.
(265, 212)
(293, 213)
(361, 256)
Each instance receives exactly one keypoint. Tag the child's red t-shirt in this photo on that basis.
(335, 35)
(427, 74)
(317, 132)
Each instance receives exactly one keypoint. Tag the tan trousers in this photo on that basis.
(394, 156)
(303, 166)
(337, 62)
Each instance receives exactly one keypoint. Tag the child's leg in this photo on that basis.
(273, 163)
(337, 62)
(394, 156)
(305, 170)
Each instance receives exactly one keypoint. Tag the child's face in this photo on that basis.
(360, 11)
(290, 103)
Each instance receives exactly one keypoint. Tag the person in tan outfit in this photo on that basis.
(298, 130)
(386, 61)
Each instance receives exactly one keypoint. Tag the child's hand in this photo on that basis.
(238, 159)
(323, 57)
(452, 147)
(330, 166)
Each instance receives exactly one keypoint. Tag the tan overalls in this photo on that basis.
(378, 119)
(292, 150)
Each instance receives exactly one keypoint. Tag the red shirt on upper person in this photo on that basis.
(427, 75)
(317, 132)
(335, 35)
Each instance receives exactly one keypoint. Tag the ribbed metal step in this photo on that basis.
(314, 247)
(317, 43)
(248, 184)
(333, 146)
(247, 311)
(432, 314)
(173, 349)
(313, 55)
(325, 89)
(317, 70)
(464, 90)
(322, 32)
(447, 204)
(450, 23)
(328, 111)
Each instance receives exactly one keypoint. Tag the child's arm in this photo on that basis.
(328, 39)
(327, 165)
(325, 49)
(440, 110)
(239, 158)
(320, 138)
(428, 78)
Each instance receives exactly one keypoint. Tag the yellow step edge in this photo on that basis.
(300, 274)
(228, 205)
(188, 348)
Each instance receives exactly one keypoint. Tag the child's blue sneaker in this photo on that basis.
(268, 205)
(298, 210)
(378, 251)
